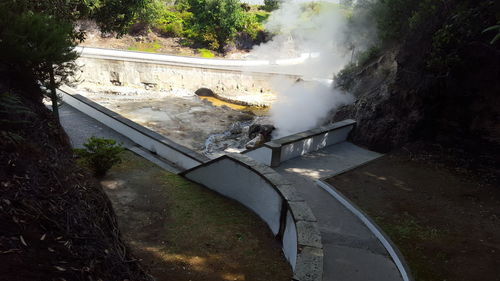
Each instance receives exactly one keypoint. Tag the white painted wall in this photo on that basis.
(301, 147)
(242, 184)
(262, 155)
(290, 240)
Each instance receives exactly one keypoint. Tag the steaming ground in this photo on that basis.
(322, 33)
(304, 105)
(181, 116)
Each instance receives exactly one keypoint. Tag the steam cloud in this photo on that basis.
(305, 104)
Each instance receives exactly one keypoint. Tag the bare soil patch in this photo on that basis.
(444, 219)
(182, 231)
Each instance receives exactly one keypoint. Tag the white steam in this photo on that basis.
(305, 105)
(320, 33)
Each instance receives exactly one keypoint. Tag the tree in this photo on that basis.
(37, 38)
(40, 45)
(216, 21)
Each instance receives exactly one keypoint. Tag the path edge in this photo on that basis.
(384, 239)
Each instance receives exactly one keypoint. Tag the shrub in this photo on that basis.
(172, 23)
(100, 154)
(215, 22)
(271, 5)
(345, 78)
(368, 55)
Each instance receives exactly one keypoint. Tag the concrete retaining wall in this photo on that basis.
(275, 201)
(104, 69)
(280, 150)
(181, 156)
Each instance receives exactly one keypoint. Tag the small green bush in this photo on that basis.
(271, 5)
(100, 154)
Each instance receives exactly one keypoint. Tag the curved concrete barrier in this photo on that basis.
(275, 152)
(275, 201)
(384, 239)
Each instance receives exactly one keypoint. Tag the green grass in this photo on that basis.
(261, 16)
(150, 47)
(411, 237)
(202, 223)
(205, 53)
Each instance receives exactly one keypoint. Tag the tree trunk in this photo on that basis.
(53, 93)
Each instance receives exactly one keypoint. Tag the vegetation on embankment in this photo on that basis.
(56, 223)
(432, 74)
(217, 25)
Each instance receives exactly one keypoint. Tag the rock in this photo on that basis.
(204, 92)
(255, 142)
(264, 130)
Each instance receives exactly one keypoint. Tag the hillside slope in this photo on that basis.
(56, 223)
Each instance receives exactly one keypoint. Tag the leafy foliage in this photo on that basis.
(41, 45)
(100, 154)
(215, 22)
(37, 38)
(271, 5)
(493, 28)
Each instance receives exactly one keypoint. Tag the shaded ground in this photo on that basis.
(446, 221)
(183, 231)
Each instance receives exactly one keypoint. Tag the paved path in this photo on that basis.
(351, 251)
(80, 127)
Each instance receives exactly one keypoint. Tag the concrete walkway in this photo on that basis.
(351, 250)
(80, 127)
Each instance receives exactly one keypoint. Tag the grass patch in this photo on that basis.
(150, 47)
(192, 233)
(205, 53)
(413, 239)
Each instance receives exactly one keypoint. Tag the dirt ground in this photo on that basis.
(445, 221)
(182, 231)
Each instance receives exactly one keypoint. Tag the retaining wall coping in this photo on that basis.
(301, 211)
(313, 132)
(309, 265)
(308, 233)
(141, 129)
